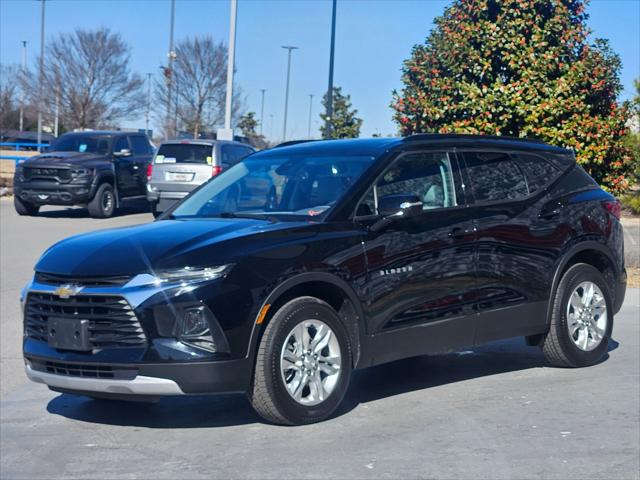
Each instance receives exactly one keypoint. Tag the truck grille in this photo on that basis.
(112, 321)
(52, 279)
(47, 173)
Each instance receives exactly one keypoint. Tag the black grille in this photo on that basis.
(112, 321)
(84, 370)
(61, 174)
(51, 279)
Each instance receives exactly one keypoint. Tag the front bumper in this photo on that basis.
(232, 376)
(52, 193)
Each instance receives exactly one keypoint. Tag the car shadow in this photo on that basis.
(367, 385)
(126, 208)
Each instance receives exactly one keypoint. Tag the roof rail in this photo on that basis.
(293, 142)
(444, 136)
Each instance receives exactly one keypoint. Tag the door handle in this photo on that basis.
(457, 233)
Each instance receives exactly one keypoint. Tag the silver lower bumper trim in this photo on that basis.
(140, 385)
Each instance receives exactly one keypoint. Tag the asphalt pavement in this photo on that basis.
(492, 412)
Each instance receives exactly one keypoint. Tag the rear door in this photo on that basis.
(140, 158)
(181, 167)
(516, 247)
(421, 269)
(125, 173)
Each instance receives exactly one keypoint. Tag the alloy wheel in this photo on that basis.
(587, 316)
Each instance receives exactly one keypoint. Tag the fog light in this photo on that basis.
(194, 323)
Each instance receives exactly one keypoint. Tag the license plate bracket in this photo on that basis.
(68, 334)
(179, 176)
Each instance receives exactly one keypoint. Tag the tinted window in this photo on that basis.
(227, 156)
(73, 142)
(281, 186)
(495, 176)
(120, 144)
(184, 153)
(537, 170)
(140, 145)
(425, 175)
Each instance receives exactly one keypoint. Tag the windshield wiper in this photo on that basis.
(255, 216)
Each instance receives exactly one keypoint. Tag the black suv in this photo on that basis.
(97, 169)
(301, 263)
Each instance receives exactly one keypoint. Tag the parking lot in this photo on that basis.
(493, 412)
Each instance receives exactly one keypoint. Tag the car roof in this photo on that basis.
(103, 133)
(376, 146)
(202, 141)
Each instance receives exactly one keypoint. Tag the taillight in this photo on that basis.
(613, 207)
(216, 170)
(149, 171)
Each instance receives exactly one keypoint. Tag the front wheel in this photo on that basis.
(103, 203)
(303, 365)
(25, 208)
(581, 319)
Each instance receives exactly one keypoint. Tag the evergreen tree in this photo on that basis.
(523, 68)
(344, 123)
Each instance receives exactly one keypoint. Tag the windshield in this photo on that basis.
(184, 153)
(286, 187)
(99, 144)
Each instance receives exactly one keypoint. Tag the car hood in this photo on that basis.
(164, 244)
(64, 159)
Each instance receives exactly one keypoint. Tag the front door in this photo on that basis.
(421, 269)
(124, 168)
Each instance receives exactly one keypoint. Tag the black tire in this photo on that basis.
(557, 346)
(103, 203)
(25, 208)
(154, 210)
(268, 394)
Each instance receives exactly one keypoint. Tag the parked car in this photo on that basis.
(357, 253)
(180, 166)
(96, 169)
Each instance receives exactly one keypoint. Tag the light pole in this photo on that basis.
(40, 75)
(169, 73)
(310, 110)
(329, 112)
(262, 90)
(289, 48)
(228, 110)
(22, 79)
(148, 103)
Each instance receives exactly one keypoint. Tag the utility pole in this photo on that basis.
(289, 48)
(22, 80)
(57, 111)
(310, 110)
(227, 134)
(41, 75)
(329, 112)
(169, 73)
(262, 90)
(148, 103)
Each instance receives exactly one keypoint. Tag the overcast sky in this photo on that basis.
(373, 38)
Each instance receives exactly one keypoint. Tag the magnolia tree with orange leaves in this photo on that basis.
(523, 68)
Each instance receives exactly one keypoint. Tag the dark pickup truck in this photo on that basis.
(97, 169)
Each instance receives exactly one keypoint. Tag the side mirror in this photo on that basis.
(395, 207)
(125, 152)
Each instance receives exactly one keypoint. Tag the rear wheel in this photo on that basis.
(303, 365)
(25, 208)
(103, 203)
(581, 319)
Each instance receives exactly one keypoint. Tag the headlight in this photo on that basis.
(81, 172)
(192, 274)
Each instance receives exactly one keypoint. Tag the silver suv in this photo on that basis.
(179, 166)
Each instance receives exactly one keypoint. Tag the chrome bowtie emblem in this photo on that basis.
(67, 291)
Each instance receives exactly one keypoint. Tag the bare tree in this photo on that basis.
(87, 75)
(9, 91)
(198, 82)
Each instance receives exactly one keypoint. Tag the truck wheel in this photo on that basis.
(25, 208)
(581, 319)
(303, 364)
(103, 203)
